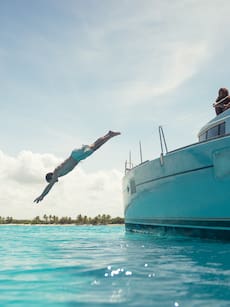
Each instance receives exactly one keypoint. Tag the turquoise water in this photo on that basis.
(104, 266)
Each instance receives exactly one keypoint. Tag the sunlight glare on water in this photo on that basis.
(103, 266)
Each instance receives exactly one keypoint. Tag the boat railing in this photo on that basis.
(164, 148)
(129, 164)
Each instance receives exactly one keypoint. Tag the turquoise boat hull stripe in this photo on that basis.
(207, 233)
(175, 174)
(184, 222)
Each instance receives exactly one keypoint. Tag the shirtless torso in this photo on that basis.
(67, 166)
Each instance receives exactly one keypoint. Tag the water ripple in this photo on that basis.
(102, 266)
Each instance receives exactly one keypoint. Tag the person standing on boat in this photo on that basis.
(222, 101)
(69, 164)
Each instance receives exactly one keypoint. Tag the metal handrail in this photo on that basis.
(162, 140)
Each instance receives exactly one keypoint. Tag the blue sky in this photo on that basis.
(72, 70)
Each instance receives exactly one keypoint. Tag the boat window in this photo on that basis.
(222, 129)
(213, 132)
(203, 137)
(133, 186)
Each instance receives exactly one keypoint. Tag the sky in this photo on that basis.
(72, 70)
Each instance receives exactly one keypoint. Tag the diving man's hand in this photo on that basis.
(46, 190)
(38, 199)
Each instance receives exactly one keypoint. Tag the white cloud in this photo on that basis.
(22, 180)
(180, 63)
(141, 47)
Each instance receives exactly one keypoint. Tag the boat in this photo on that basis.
(186, 190)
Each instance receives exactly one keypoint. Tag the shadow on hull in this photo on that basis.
(205, 233)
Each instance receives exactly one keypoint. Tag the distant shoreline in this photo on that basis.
(47, 220)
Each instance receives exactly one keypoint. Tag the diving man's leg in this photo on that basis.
(102, 140)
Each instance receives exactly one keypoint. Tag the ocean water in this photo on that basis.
(105, 266)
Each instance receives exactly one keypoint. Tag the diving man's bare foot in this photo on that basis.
(113, 133)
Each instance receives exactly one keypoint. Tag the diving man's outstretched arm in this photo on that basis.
(45, 192)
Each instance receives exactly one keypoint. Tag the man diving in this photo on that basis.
(69, 164)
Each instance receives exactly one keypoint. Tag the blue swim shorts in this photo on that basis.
(81, 153)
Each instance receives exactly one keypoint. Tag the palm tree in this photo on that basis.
(85, 220)
(79, 219)
(36, 220)
(45, 218)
